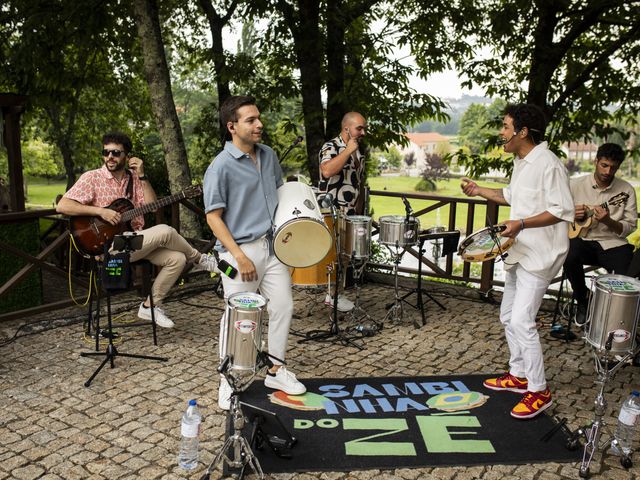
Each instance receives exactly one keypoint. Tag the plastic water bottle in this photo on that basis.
(627, 421)
(190, 428)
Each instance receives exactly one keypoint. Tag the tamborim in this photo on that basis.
(485, 244)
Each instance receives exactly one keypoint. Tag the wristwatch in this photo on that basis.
(143, 177)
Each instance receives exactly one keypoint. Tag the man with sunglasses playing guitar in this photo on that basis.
(162, 245)
(606, 213)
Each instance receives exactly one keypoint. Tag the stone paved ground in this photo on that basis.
(126, 425)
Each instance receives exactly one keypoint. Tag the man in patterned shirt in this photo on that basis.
(342, 164)
(162, 245)
(342, 174)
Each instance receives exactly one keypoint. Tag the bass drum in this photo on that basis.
(318, 275)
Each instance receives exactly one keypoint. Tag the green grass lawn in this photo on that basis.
(42, 195)
(447, 188)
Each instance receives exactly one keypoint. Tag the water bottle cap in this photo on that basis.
(635, 393)
(192, 403)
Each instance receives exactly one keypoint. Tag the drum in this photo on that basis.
(316, 275)
(355, 236)
(485, 244)
(244, 333)
(398, 230)
(301, 237)
(613, 308)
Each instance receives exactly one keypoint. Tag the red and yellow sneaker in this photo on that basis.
(532, 404)
(507, 383)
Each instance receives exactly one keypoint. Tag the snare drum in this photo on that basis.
(485, 244)
(244, 332)
(613, 308)
(301, 237)
(355, 236)
(317, 275)
(398, 230)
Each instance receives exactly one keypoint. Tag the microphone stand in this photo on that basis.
(334, 333)
(294, 144)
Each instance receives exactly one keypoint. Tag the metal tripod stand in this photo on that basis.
(593, 433)
(395, 312)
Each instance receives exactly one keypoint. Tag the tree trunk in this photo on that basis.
(217, 23)
(156, 73)
(308, 46)
(336, 104)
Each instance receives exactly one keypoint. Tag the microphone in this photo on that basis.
(407, 207)
(504, 141)
(326, 201)
(298, 139)
(228, 269)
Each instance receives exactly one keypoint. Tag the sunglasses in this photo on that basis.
(114, 153)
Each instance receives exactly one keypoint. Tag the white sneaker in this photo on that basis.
(284, 380)
(207, 263)
(224, 394)
(161, 318)
(344, 304)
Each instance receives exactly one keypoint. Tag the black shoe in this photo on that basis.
(581, 315)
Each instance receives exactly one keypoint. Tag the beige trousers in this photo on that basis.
(163, 246)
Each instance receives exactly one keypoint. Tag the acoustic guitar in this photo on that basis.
(580, 228)
(92, 233)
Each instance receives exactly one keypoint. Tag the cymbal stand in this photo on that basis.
(334, 333)
(395, 312)
(593, 433)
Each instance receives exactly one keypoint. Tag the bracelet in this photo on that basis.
(522, 224)
(142, 178)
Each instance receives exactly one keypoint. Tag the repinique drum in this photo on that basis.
(244, 332)
(614, 307)
(485, 244)
(318, 275)
(301, 237)
(355, 236)
(398, 230)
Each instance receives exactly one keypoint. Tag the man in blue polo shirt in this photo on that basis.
(240, 201)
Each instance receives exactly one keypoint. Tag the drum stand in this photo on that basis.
(334, 333)
(592, 433)
(395, 312)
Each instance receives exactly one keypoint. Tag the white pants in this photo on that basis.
(274, 282)
(523, 293)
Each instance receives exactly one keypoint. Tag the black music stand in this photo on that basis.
(111, 351)
(449, 245)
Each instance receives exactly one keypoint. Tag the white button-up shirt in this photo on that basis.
(540, 183)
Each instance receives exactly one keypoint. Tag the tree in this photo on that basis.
(576, 59)
(156, 71)
(79, 80)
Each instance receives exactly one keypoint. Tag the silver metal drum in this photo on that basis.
(614, 307)
(398, 230)
(355, 236)
(244, 334)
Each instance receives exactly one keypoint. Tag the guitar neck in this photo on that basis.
(150, 207)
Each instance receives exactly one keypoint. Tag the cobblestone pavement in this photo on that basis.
(126, 424)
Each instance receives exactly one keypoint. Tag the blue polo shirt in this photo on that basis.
(245, 190)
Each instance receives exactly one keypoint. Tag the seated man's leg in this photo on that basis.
(580, 254)
(617, 259)
(164, 236)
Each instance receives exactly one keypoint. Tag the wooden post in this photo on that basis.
(12, 107)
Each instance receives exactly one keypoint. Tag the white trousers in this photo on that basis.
(523, 293)
(274, 282)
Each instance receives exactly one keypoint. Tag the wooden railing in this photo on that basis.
(57, 245)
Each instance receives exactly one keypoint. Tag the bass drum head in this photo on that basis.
(302, 242)
(246, 300)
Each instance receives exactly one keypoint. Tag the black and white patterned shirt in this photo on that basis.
(345, 185)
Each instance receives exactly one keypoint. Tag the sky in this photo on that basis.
(444, 85)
